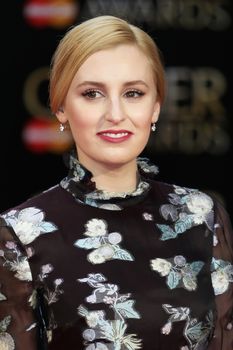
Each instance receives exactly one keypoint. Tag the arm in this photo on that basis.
(222, 279)
(17, 320)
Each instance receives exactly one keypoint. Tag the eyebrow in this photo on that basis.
(97, 83)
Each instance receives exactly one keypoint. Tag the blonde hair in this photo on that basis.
(95, 34)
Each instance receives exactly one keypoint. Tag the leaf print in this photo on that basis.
(175, 199)
(189, 283)
(5, 323)
(122, 254)
(131, 342)
(196, 267)
(180, 190)
(169, 211)
(32, 326)
(88, 243)
(195, 332)
(167, 232)
(46, 227)
(2, 297)
(93, 279)
(218, 264)
(173, 279)
(126, 309)
(184, 224)
(33, 299)
(113, 330)
(177, 314)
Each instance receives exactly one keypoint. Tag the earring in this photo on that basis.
(153, 127)
(61, 127)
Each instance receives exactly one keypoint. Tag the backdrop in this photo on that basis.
(192, 145)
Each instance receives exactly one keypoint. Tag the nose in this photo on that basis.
(115, 112)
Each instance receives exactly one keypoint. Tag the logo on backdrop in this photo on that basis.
(50, 13)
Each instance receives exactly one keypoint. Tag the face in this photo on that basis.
(110, 106)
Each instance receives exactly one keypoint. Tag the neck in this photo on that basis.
(114, 178)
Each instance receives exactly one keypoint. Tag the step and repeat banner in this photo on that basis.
(192, 145)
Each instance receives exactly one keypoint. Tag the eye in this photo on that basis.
(92, 94)
(134, 93)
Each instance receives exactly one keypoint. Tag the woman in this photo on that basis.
(111, 258)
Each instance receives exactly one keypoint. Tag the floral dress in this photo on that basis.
(87, 269)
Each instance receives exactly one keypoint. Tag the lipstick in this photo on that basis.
(114, 136)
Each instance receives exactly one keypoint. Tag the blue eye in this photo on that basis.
(91, 94)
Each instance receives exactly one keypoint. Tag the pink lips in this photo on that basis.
(114, 136)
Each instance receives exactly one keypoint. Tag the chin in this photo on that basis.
(117, 160)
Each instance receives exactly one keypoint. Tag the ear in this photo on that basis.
(156, 112)
(60, 114)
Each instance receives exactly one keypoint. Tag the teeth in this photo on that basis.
(122, 134)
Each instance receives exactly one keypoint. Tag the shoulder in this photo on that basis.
(183, 207)
(38, 214)
(177, 194)
(44, 200)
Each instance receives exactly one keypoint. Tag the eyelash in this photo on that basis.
(89, 91)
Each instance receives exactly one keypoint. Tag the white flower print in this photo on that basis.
(6, 340)
(178, 272)
(96, 258)
(95, 227)
(106, 245)
(222, 275)
(199, 203)
(28, 223)
(22, 268)
(112, 331)
(220, 281)
(147, 217)
(15, 261)
(50, 295)
(162, 266)
(167, 328)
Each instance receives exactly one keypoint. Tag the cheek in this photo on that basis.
(78, 117)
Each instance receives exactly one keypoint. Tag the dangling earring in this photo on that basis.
(153, 127)
(61, 127)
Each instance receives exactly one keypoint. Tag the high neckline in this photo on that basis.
(79, 183)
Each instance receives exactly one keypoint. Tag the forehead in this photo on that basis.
(126, 61)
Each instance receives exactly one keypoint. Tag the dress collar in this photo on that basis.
(79, 184)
